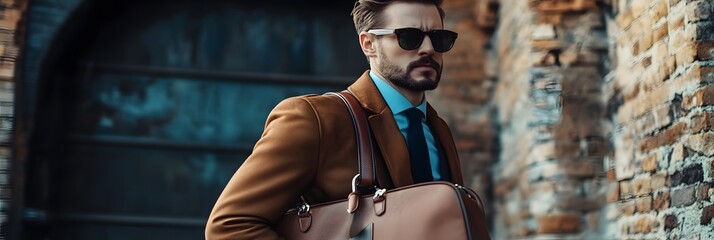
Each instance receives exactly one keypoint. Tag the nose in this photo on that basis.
(426, 49)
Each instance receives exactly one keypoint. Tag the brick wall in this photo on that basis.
(601, 115)
(660, 96)
(11, 13)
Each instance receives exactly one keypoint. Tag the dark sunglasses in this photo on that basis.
(411, 38)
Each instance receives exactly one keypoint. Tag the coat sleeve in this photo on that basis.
(283, 163)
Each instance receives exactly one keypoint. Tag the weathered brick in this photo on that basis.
(659, 181)
(660, 33)
(702, 97)
(703, 121)
(613, 192)
(660, 10)
(559, 224)
(645, 224)
(643, 204)
(655, 119)
(641, 186)
(682, 197)
(675, 20)
(670, 222)
(702, 143)
(661, 201)
(688, 175)
(624, 19)
(627, 207)
(703, 191)
(666, 137)
(707, 215)
(685, 55)
(638, 7)
(647, 37)
(625, 190)
(705, 50)
(679, 152)
(649, 164)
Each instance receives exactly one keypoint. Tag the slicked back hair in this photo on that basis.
(367, 14)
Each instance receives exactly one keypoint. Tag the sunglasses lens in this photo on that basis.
(409, 38)
(442, 40)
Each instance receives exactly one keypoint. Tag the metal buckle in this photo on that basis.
(379, 193)
(303, 208)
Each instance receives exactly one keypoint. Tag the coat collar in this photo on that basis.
(389, 138)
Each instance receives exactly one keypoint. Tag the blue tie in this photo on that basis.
(418, 152)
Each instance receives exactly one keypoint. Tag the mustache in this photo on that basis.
(424, 61)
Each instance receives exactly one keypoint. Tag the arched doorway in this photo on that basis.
(154, 105)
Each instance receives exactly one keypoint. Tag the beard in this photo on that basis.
(402, 78)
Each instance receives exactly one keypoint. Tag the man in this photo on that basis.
(308, 146)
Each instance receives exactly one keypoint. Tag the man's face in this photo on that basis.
(414, 70)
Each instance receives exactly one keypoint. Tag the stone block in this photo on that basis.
(645, 224)
(704, 30)
(703, 191)
(703, 121)
(627, 208)
(670, 222)
(625, 189)
(661, 201)
(641, 186)
(649, 164)
(705, 50)
(559, 224)
(688, 175)
(660, 32)
(702, 143)
(707, 215)
(659, 181)
(659, 11)
(679, 152)
(682, 197)
(638, 7)
(647, 37)
(643, 204)
(624, 19)
(666, 137)
(675, 20)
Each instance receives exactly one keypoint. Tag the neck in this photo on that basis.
(414, 97)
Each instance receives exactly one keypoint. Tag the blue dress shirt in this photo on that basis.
(398, 103)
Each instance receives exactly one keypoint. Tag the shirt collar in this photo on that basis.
(395, 100)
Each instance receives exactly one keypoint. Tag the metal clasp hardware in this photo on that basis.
(379, 193)
(303, 208)
(354, 183)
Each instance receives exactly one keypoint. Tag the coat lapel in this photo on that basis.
(385, 130)
(444, 137)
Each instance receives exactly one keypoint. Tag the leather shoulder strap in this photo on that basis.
(365, 154)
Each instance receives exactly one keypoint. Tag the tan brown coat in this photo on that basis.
(308, 148)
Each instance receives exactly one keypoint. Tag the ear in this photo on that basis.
(368, 44)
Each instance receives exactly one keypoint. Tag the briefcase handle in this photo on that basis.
(366, 178)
